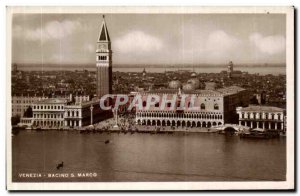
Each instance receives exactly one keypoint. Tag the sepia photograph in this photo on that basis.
(150, 98)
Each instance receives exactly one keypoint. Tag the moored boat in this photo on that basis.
(259, 133)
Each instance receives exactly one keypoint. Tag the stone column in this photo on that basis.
(263, 125)
(257, 124)
(240, 123)
(276, 126)
(251, 124)
(269, 125)
(91, 108)
(282, 126)
(80, 123)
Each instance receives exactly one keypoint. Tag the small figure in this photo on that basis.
(60, 165)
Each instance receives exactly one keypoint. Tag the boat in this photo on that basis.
(259, 134)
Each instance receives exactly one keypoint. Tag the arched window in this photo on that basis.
(144, 103)
(216, 106)
(266, 116)
(202, 106)
(273, 116)
(279, 117)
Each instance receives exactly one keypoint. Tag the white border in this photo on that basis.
(289, 184)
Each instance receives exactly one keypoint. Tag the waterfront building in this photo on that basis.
(103, 62)
(265, 117)
(210, 107)
(57, 113)
(81, 114)
(21, 103)
(25, 122)
(49, 113)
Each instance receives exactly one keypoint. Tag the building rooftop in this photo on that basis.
(259, 108)
(217, 92)
(53, 101)
(231, 90)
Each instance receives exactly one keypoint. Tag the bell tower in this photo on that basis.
(230, 69)
(103, 62)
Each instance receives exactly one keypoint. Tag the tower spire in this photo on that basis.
(103, 35)
(103, 62)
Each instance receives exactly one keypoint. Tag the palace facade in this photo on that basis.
(56, 113)
(81, 114)
(210, 107)
(265, 117)
(49, 113)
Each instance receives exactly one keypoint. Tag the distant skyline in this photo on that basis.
(151, 38)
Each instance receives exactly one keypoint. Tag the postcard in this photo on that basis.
(150, 98)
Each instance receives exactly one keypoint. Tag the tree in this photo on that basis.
(15, 120)
(28, 113)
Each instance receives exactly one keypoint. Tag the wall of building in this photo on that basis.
(21, 103)
(210, 114)
(48, 115)
(264, 118)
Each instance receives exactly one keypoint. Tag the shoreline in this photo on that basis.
(87, 130)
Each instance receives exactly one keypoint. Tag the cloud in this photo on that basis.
(138, 42)
(219, 41)
(89, 47)
(270, 44)
(217, 46)
(53, 30)
(57, 57)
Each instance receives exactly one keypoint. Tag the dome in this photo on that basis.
(188, 87)
(193, 74)
(175, 84)
(195, 82)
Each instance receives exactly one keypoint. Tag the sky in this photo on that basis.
(150, 38)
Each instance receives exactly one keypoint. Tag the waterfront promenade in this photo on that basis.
(126, 126)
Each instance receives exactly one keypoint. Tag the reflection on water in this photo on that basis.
(146, 157)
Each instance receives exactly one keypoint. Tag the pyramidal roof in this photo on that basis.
(103, 35)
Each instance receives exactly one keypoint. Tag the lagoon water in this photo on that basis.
(262, 70)
(146, 157)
